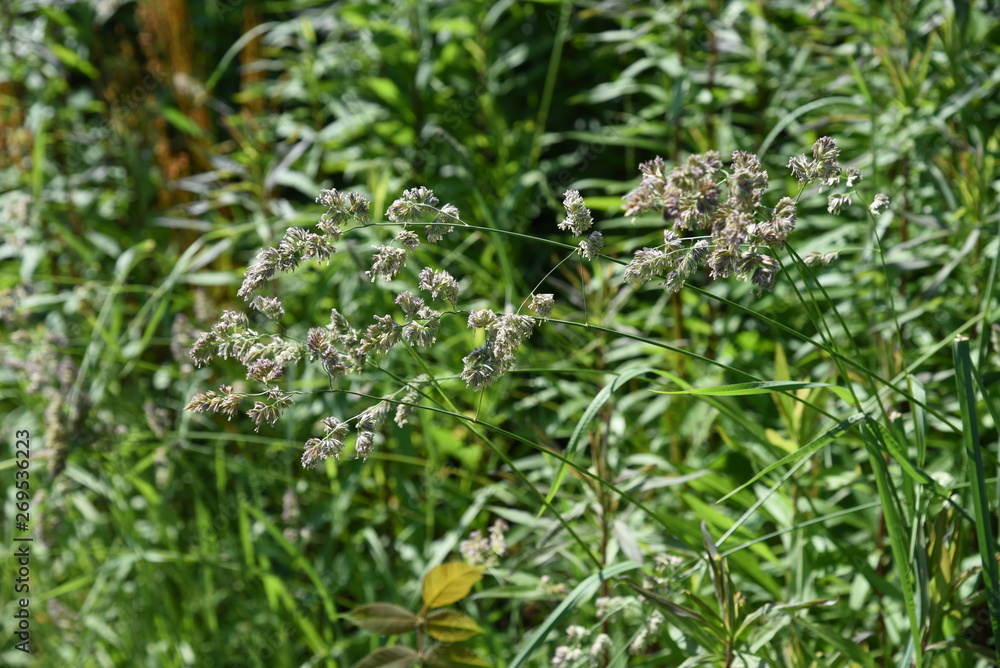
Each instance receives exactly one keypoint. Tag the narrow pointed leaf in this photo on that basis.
(899, 454)
(580, 594)
(707, 631)
(762, 387)
(576, 438)
(804, 451)
(976, 473)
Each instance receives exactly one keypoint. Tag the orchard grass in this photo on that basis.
(714, 217)
(747, 419)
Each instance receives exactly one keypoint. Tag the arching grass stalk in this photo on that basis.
(716, 219)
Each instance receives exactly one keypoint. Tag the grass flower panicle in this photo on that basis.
(566, 656)
(748, 181)
(688, 197)
(824, 165)
(439, 283)
(722, 262)
(495, 358)
(269, 412)
(348, 337)
(225, 402)
(542, 305)
(411, 305)
(853, 177)
(331, 445)
(509, 331)
(648, 631)
(715, 218)
(813, 258)
(297, 245)
(269, 306)
(482, 367)
(410, 398)
(600, 649)
(442, 223)
(671, 241)
(781, 223)
(480, 550)
(578, 217)
(264, 371)
(423, 333)
(647, 264)
(322, 345)
(419, 205)
(387, 262)
(382, 336)
(408, 239)
(689, 261)
(342, 208)
(369, 423)
(482, 318)
(803, 169)
(879, 204)
(838, 201)
(592, 246)
(411, 206)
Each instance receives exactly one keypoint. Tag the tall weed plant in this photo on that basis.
(715, 222)
(601, 428)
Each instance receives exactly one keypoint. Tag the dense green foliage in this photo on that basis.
(150, 149)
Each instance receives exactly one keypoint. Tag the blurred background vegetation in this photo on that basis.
(149, 149)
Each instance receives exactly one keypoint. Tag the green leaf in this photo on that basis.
(899, 454)
(448, 583)
(762, 387)
(780, 607)
(384, 618)
(580, 594)
(588, 415)
(836, 639)
(895, 524)
(211, 278)
(73, 59)
(709, 633)
(231, 52)
(453, 656)
(451, 626)
(387, 90)
(397, 656)
(804, 451)
(180, 121)
(976, 472)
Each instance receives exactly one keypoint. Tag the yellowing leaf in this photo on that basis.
(396, 656)
(384, 618)
(451, 626)
(453, 656)
(777, 439)
(448, 583)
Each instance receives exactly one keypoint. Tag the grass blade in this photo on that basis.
(588, 415)
(898, 533)
(762, 387)
(582, 593)
(977, 479)
(804, 451)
